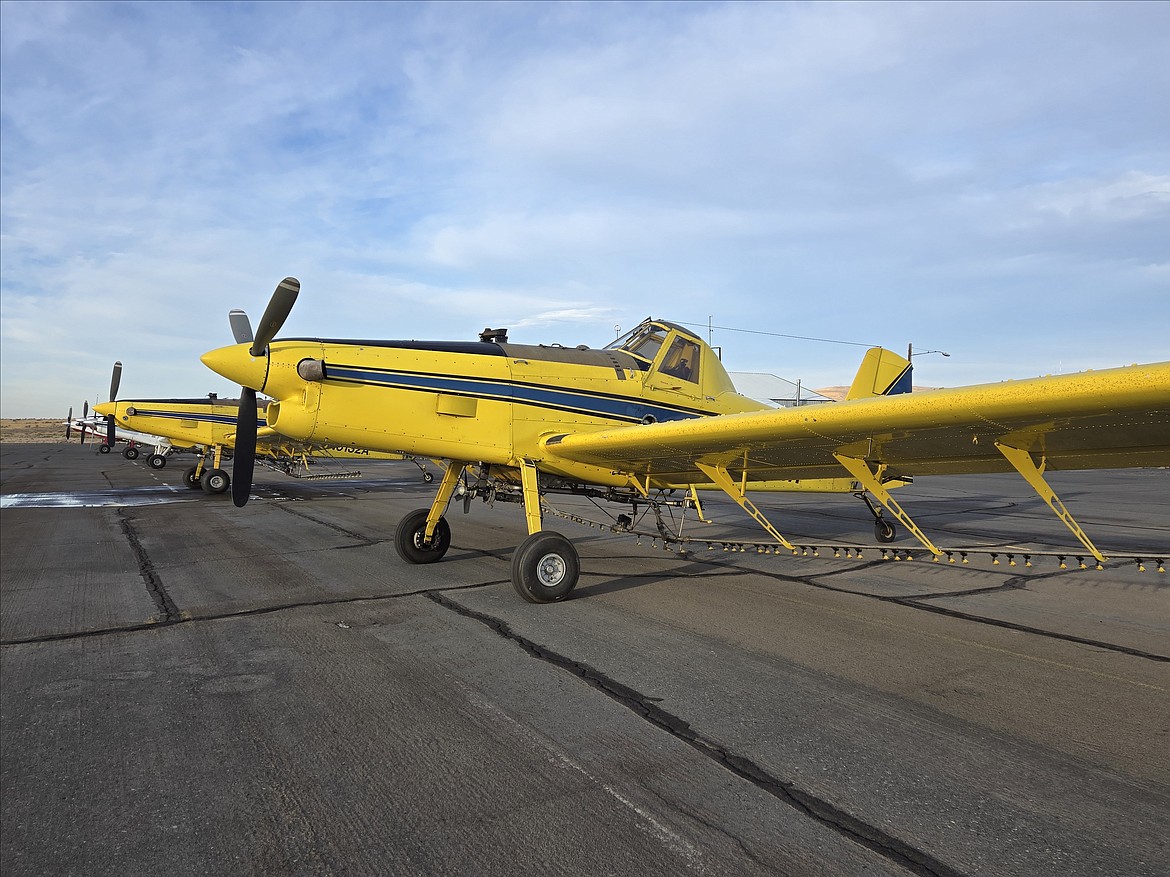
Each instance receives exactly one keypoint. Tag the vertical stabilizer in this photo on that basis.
(882, 373)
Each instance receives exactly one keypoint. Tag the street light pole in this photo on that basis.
(910, 352)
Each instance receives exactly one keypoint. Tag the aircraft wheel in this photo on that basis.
(191, 478)
(157, 461)
(545, 567)
(103, 449)
(884, 530)
(130, 453)
(215, 481)
(428, 477)
(408, 538)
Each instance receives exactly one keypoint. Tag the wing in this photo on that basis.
(1118, 418)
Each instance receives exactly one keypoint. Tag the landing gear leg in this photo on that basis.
(215, 479)
(424, 536)
(546, 566)
(192, 477)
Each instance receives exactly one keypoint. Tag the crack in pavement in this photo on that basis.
(184, 619)
(168, 611)
(825, 812)
(364, 540)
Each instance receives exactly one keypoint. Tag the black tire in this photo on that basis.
(191, 478)
(215, 481)
(884, 530)
(545, 568)
(408, 538)
(103, 449)
(130, 453)
(428, 477)
(156, 461)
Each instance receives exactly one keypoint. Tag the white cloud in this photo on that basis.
(974, 176)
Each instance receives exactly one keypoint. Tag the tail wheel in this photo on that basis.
(156, 461)
(545, 568)
(131, 453)
(191, 478)
(884, 530)
(408, 538)
(215, 481)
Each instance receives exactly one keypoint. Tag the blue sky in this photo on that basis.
(988, 179)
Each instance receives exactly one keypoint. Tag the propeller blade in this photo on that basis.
(84, 419)
(115, 380)
(244, 459)
(241, 328)
(275, 314)
(69, 424)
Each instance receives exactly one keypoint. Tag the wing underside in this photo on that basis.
(1119, 418)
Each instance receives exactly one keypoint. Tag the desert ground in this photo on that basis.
(28, 430)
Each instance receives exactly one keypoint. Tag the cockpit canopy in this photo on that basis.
(646, 341)
(671, 350)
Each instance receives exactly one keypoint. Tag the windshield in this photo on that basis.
(643, 341)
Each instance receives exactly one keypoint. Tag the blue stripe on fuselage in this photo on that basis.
(623, 408)
(186, 415)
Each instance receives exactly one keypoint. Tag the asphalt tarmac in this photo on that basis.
(192, 688)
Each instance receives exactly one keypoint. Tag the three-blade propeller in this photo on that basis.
(244, 455)
(115, 380)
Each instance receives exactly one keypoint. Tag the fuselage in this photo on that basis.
(486, 401)
(186, 423)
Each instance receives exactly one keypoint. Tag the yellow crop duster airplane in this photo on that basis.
(654, 411)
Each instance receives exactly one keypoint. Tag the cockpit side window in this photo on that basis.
(682, 360)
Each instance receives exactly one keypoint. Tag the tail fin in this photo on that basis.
(882, 373)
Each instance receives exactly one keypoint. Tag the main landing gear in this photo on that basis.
(411, 541)
(209, 480)
(206, 475)
(545, 567)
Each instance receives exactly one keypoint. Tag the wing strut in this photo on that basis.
(718, 474)
(871, 481)
(1034, 475)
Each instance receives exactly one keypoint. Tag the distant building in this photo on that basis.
(775, 391)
